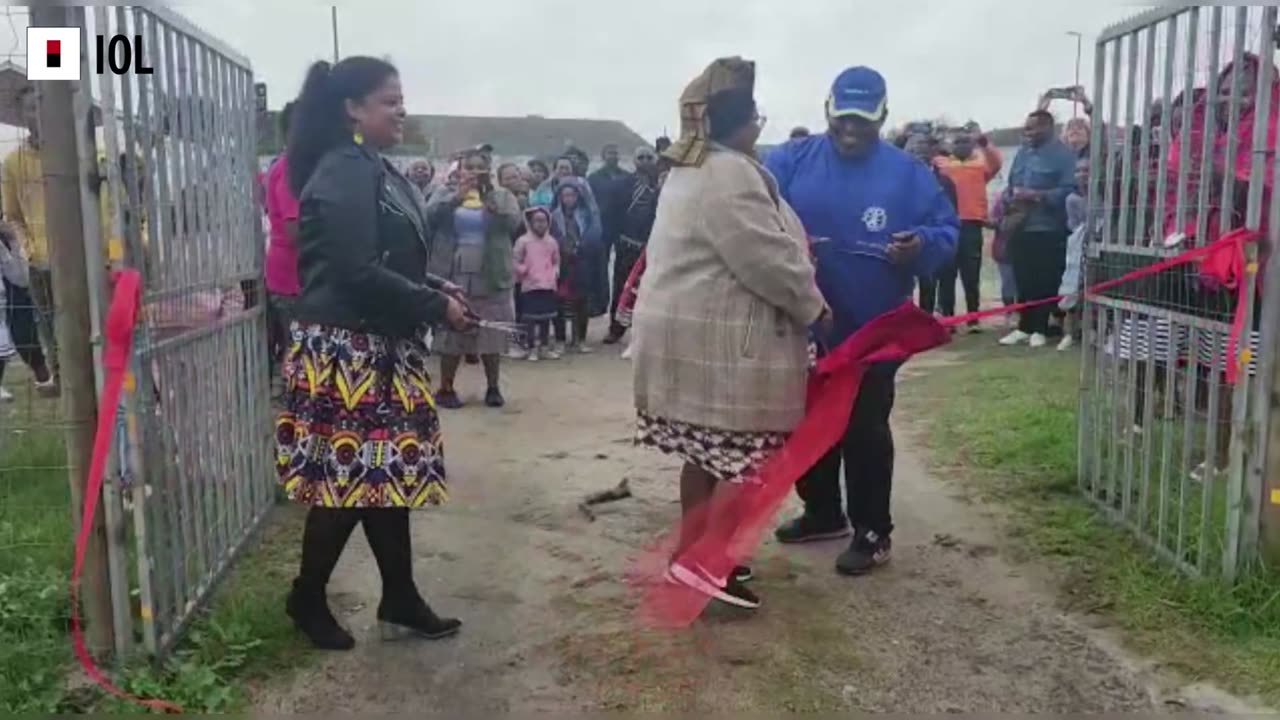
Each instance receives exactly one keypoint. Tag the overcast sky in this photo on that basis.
(628, 59)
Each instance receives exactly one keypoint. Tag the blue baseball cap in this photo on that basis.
(858, 91)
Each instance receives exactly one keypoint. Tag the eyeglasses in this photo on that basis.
(645, 158)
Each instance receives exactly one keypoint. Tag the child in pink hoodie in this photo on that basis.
(537, 265)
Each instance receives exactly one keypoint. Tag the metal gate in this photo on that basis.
(176, 151)
(1183, 151)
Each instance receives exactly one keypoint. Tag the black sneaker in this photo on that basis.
(730, 591)
(448, 399)
(805, 529)
(867, 552)
(493, 398)
(742, 574)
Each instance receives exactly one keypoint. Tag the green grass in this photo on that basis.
(1005, 426)
(243, 636)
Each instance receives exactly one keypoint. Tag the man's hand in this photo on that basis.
(1026, 195)
(904, 249)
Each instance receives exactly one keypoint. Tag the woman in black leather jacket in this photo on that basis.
(359, 439)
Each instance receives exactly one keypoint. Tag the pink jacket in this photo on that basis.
(537, 262)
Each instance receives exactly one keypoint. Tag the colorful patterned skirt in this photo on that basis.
(731, 456)
(359, 427)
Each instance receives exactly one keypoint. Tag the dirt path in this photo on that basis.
(948, 626)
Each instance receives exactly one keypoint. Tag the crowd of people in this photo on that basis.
(733, 273)
(487, 239)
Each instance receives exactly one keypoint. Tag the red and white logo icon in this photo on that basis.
(53, 53)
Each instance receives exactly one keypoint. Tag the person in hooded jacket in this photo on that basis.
(575, 223)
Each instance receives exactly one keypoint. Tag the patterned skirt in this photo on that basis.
(731, 456)
(359, 427)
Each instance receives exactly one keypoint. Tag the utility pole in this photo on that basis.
(333, 12)
(1075, 105)
(64, 224)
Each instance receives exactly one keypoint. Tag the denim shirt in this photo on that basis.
(1050, 168)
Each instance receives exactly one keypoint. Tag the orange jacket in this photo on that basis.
(971, 177)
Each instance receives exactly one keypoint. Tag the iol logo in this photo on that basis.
(53, 53)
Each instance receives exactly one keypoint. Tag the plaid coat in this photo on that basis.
(725, 300)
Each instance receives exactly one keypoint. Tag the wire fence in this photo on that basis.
(167, 163)
(35, 494)
(1183, 152)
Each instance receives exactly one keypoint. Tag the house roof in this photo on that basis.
(530, 136)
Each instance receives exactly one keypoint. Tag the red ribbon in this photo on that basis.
(733, 523)
(122, 316)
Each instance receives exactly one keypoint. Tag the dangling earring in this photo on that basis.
(358, 137)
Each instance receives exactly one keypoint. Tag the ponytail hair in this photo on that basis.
(319, 116)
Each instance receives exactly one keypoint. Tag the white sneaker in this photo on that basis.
(1067, 343)
(585, 349)
(5, 395)
(555, 353)
(517, 353)
(626, 353)
(49, 388)
(533, 355)
(1017, 337)
(1038, 340)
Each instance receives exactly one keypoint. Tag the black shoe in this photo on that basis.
(742, 574)
(613, 338)
(472, 359)
(729, 591)
(868, 551)
(448, 399)
(805, 529)
(311, 616)
(493, 398)
(418, 619)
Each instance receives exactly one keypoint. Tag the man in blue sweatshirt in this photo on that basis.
(877, 219)
(1042, 177)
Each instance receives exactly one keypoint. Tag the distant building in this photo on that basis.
(439, 137)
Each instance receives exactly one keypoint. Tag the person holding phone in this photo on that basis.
(884, 220)
(358, 438)
(471, 247)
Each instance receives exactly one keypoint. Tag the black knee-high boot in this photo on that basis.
(325, 535)
(402, 608)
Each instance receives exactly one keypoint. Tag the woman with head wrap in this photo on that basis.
(721, 321)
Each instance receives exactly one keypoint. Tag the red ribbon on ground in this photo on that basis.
(122, 316)
(732, 524)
